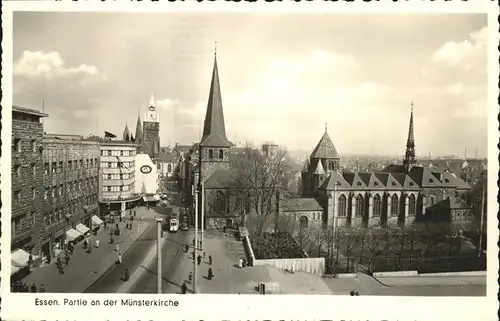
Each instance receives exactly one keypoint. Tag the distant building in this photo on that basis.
(151, 131)
(118, 167)
(166, 163)
(70, 190)
(270, 149)
(27, 178)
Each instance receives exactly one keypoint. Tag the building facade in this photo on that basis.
(27, 177)
(70, 189)
(118, 162)
(151, 131)
(398, 195)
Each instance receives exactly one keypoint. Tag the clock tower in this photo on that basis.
(151, 131)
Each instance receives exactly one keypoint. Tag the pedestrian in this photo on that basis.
(224, 228)
(119, 258)
(190, 277)
(186, 248)
(127, 276)
(199, 259)
(210, 274)
(357, 293)
(117, 247)
(105, 224)
(33, 288)
(30, 260)
(111, 239)
(42, 288)
(353, 293)
(209, 260)
(184, 288)
(116, 225)
(121, 218)
(132, 218)
(66, 259)
(97, 243)
(85, 243)
(134, 212)
(203, 254)
(240, 263)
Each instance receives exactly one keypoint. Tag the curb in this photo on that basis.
(113, 264)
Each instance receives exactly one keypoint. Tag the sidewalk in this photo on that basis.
(83, 268)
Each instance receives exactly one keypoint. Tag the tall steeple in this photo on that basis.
(214, 130)
(410, 158)
(138, 130)
(152, 103)
(126, 133)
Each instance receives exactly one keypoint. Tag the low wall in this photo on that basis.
(309, 265)
(395, 273)
(465, 273)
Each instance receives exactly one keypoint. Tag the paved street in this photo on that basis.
(83, 268)
(176, 265)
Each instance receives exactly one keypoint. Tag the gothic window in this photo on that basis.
(210, 154)
(221, 153)
(359, 205)
(169, 168)
(431, 201)
(394, 205)
(220, 202)
(377, 205)
(303, 222)
(342, 206)
(411, 205)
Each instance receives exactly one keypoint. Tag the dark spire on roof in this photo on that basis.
(214, 130)
(138, 130)
(126, 133)
(325, 148)
(410, 157)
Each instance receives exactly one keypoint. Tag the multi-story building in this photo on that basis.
(151, 131)
(118, 162)
(27, 164)
(70, 190)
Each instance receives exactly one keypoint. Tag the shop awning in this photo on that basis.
(72, 234)
(13, 269)
(151, 198)
(96, 220)
(20, 258)
(82, 228)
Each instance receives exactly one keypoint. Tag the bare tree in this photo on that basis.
(259, 178)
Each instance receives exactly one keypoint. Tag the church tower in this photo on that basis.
(214, 145)
(151, 131)
(410, 158)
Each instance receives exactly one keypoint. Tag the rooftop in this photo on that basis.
(29, 111)
(300, 204)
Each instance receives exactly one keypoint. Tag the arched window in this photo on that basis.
(220, 202)
(210, 154)
(377, 205)
(169, 168)
(342, 206)
(394, 205)
(221, 153)
(359, 205)
(303, 222)
(411, 205)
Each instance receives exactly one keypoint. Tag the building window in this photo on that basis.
(17, 170)
(375, 183)
(342, 206)
(210, 154)
(221, 154)
(46, 168)
(303, 222)
(359, 183)
(33, 145)
(109, 165)
(104, 188)
(60, 166)
(109, 188)
(411, 205)
(33, 218)
(393, 184)
(169, 168)
(121, 176)
(109, 153)
(45, 193)
(17, 196)
(33, 169)
(377, 205)
(121, 188)
(121, 153)
(109, 176)
(394, 205)
(33, 193)
(359, 205)
(54, 167)
(16, 145)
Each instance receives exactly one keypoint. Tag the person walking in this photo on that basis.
(184, 288)
(210, 274)
(117, 247)
(240, 263)
(199, 259)
(33, 288)
(42, 288)
(97, 243)
(119, 258)
(203, 254)
(190, 277)
(186, 248)
(126, 276)
(209, 260)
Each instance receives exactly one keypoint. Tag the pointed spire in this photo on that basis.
(152, 103)
(410, 156)
(326, 127)
(325, 148)
(126, 133)
(214, 130)
(138, 130)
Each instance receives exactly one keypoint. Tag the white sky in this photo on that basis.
(282, 76)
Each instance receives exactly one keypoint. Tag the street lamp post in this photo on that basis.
(158, 255)
(202, 214)
(195, 247)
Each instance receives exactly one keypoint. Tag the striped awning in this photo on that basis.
(72, 234)
(82, 228)
(96, 220)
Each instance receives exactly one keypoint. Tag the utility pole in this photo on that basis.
(483, 195)
(195, 250)
(158, 255)
(202, 214)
